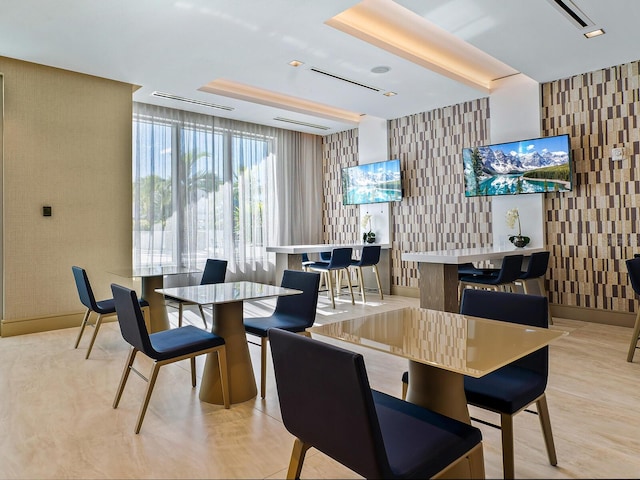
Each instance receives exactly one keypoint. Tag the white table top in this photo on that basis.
(324, 247)
(465, 255)
(225, 292)
(450, 341)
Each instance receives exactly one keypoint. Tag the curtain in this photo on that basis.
(208, 187)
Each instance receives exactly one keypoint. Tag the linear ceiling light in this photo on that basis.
(228, 88)
(298, 122)
(398, 30)
(594, 33)
(190, 100)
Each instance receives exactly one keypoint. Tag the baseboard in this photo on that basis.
(413, 292)
(10, 328)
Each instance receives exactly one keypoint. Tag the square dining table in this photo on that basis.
(228, 313)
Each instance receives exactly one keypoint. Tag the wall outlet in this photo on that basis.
(617, 153)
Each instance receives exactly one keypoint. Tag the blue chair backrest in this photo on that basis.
(538, 263)
(84, 288)
(305, 257)
(333, 412)
(340, 257)
(514, 308)
(511, 268)
(325, 256)
(370, 255)
(633, 268)
(131, 320)
(215, 271)
(303, 305)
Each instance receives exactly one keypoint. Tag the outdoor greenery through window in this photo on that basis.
(205, 187)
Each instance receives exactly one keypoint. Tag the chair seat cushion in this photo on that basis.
(420, 442)
(182, 341)
(506, 390)
(260, 326)
(485, 279)
(109, 306)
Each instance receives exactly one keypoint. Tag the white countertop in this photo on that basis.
(465, 255)
(325, 247)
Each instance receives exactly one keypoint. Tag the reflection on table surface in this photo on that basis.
(225, 292)
(153, 271)
(450, 341)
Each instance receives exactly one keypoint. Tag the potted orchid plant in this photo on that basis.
(368, 236)
(518, 240)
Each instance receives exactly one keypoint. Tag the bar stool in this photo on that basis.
(369, 258)
(503, 280)
(339, 263)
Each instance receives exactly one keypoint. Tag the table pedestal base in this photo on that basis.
(158, 311)
(439, 286)
(242, 384)
(443, 391)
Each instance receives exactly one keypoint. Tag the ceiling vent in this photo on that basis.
(190, 100)
(298, 122)
(572, 13)
(338, 77)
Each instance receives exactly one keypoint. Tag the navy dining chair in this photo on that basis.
(167, 346)
(102, 308)
(294, 313)
(327, 403)
(503, 279)
(633, 269)
(370, 257)
(339, 263)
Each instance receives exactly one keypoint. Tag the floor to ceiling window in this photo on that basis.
(206, 187)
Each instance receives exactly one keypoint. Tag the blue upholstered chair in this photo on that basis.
(326, 403)
(102, 308)
(633, 268)
(512, 388)
(293, 313)
(509, 271)
(339, 263)
(215, 271)
(370, 257)
(167, 346)
(305, 261)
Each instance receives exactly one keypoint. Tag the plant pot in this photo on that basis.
(519, 241)
(369, 237)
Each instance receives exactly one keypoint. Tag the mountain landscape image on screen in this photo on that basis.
(528, 166)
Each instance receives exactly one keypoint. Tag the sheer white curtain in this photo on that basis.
(207, 187)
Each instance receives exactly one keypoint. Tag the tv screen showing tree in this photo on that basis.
(527, 166)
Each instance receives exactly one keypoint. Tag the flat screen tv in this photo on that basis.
(376, 182)
(537, 165)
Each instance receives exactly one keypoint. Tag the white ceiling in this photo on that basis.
(178, 46)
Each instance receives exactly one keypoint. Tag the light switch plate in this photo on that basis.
(617, 153)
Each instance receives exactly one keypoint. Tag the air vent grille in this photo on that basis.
(298, 122)
(190, 100)
(338, 77)
(573, 13)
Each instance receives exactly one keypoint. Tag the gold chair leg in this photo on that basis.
(85, 319)
(545, 423)
(375, 270)
(192, 362)
(263, 366)
(405, 387)
(203, 317)
(353, 300)
(96, 327)
(330, 288)
(297, 458)
(224, 376)
(145, 403)
(125, 376)
(361, 280)
(508, 462)
(634, 339)
(179, 314)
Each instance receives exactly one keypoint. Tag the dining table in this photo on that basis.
(152, 279)
(228, 300)
(441, 347)
(438, 271)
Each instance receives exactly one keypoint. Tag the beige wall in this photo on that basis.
(67, 143)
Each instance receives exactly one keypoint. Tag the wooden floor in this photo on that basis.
(56, 418)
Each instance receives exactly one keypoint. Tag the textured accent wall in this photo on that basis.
(594, 229)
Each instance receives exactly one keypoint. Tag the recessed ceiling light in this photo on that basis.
(380, 69)
(296, 63)
(390, 94)
(594, 33)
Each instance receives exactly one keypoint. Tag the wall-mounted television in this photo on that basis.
(372, 183)
(536, 165)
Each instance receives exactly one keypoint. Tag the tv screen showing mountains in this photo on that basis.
(527, 166)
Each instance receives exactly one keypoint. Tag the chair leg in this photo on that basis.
(203, 317)
(179, 314)
(263, 366)
(634, 339)
(353, 300)
(405, 387)
(85, 319)
(375, 270)
(147, 396)
(297, 458)
(361, 281)
(96, 327)
(224, 376)
(508, 463)
(545, 423)
(192, 363)
(125, 376)
(330, 288)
